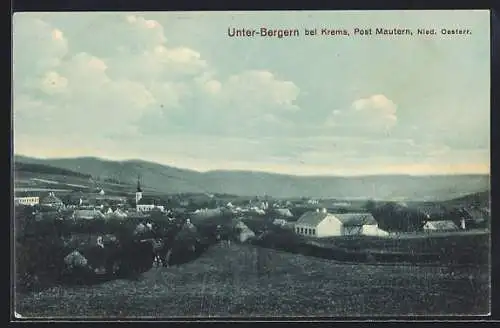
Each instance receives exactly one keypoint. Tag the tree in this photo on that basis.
(370, 205)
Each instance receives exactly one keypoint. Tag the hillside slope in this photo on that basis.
(174, 180)
(481, 199)
(36, 176)
(248, 281)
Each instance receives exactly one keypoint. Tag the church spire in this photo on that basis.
(138, 185)
(138, 193)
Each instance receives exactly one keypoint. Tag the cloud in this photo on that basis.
(212, 87)
(53, 83)
(38, 47)
(260, 88)
(141, 84)
(374, 113)
(139, 79)
(158, 63)
(249, 103)
(109, 34)
(83, 100)
(31, 115)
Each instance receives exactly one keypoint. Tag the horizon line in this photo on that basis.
(254, 170)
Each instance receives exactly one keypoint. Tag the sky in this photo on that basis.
(175, 89)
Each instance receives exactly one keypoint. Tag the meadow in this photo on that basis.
(454, 247)
(245, 280)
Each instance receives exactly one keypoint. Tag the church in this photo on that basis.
(144, 204)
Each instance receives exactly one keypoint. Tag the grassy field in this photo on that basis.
(244, 280)
(468, 246)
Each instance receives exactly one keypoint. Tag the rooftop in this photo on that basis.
(312, 218)
(347, 219)
(50, 199)
(356, 219)
(442, 225)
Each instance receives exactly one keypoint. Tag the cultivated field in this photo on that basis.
(244, 280)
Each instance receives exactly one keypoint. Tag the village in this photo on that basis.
(95, 236)
(307, 217)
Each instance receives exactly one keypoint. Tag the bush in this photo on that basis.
(394, 218)
(39, 261)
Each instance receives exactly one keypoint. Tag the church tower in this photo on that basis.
(138, 193)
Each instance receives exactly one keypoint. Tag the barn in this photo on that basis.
(324, 224)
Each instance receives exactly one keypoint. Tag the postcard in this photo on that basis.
(251, 164)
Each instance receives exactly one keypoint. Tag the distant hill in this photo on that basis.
(47, 169)
(169, 179)
(39, 176)
(481, 199)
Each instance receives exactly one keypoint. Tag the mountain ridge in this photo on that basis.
(22, 158)
(170, 179)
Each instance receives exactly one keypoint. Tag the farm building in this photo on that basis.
(51, 201)
(445, 225)
(324, 224)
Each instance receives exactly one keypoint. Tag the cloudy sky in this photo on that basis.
(173, 88)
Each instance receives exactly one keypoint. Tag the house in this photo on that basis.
(118, 213)
(341, 204)
(324, 224)
(179, 211)
(146, 204)
(280, 222)
(474, 216)
(107, 209)
(205, 213)
(87, 214)
(444, 225)
(51, 201)
(257, 210)
(27, 201)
